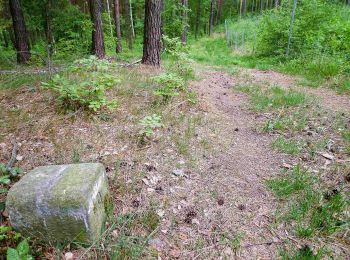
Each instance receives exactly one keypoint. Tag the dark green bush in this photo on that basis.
(320, 43)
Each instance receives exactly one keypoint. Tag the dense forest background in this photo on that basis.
(65, 26)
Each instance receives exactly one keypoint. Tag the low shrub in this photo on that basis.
(84, 85)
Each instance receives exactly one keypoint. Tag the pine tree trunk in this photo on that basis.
(117, 26)
(211, 19)
(184, 21)
(152, 33)
(128, 24)
(98, 47)
(244, 8)
(49, 35)
(219, 10)
(21, 35)
(291, 27)
(198, 18)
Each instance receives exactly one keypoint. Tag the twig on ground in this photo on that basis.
(130, 64)
(13, 157)
(264, 243)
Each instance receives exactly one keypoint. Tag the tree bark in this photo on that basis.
(244, 7)
(117, 26)
(198, 18)
(219, 10)
(291, 27)
(98, 47)
(20, 30)
(49, 35)
(184, 21)
(211, 19)
(128, 24)
(277, 3)
(152, 33)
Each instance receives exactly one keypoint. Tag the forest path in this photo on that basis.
(229, 201)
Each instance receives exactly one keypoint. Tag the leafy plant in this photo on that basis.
(169, 85)
(6, 233)
(84, 86)
(179, 61)
(7, 174)
(149, 124)
(21, 252)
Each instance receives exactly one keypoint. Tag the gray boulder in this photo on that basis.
(60, 202)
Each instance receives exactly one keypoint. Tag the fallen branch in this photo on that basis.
(132, 63)
(30, 72)
(13, 157)
(264, 243)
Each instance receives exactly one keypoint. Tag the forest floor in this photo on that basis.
(203, 186)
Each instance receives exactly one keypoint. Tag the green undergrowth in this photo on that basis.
(274, 97)
(13, 81)
(290, 146)
(311, 208)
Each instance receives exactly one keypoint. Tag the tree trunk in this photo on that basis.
(291, 27)
(117, 26)
(184, 21)
(152, 35)
(261, 5)
(49, 35)
(109, 17)
(277, 3)
(211, 19)
(244, 8)
(219, 10)
(128, 24)
(98, 47)
(198, 18)
(21, 35)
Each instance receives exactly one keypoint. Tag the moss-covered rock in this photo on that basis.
(60, 202)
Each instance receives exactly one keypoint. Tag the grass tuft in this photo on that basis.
(314, 209)
(274, 97)
(284, 145)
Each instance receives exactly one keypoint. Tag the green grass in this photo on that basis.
(284, 145)
(346, 137)
(343, 87)
(274, 97)
(304, 253)
(309, 83)
(212, 51)
(290, 182)
(314, 209)
(287, 120)
(316, 68)
(12, 81)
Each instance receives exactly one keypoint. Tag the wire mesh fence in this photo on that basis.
(242, 34)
